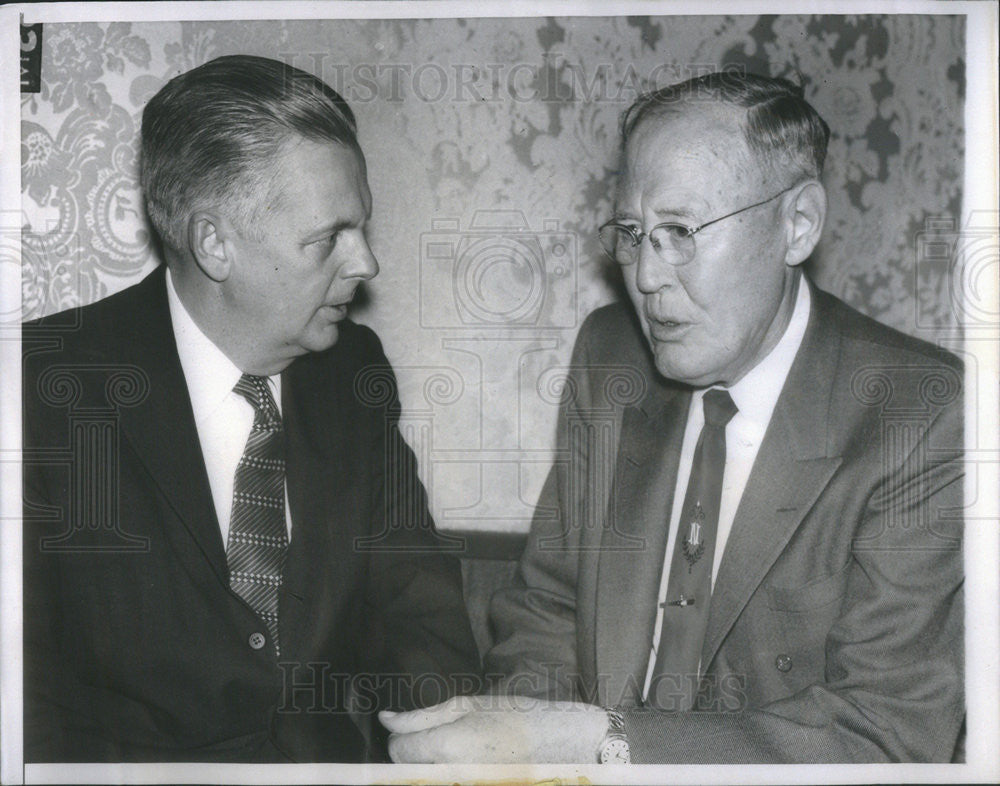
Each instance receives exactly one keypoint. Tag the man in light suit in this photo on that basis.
(776, 572)
(227, 553)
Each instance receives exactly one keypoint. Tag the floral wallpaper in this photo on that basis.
(491, 147)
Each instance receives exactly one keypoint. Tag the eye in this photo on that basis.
(327, 244)
(670, 235)
(675, 231)
(625, 231)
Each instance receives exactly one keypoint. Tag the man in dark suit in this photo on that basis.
(227, 553)
(752, 549)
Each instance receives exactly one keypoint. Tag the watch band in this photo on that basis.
(614, 748)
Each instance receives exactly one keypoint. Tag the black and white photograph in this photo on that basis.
(448, 392)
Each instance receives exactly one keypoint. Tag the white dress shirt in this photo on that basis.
(223, 418)
(755, 396)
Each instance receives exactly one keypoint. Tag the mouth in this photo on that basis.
(335, 311)
(338, 310)
(666, 329)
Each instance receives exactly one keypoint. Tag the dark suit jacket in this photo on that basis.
(135, 646)
(836, 621)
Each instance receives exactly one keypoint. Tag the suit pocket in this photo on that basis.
(814, 595)
(803, 617)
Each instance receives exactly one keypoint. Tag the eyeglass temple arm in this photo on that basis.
(697, 229)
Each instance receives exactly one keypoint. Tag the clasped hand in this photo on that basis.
(497, 730)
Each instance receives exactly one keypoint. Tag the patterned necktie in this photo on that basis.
(689, 586)
(258, 537)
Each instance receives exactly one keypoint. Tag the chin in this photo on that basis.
(320, 340)
(670, 369)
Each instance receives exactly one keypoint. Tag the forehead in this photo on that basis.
(697, 150)
(318, 179)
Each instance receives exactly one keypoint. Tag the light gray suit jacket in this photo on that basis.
(836, 622)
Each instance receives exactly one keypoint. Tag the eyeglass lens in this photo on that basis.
(672, 243)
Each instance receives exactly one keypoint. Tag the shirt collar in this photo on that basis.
(756, 394)
(208, 371)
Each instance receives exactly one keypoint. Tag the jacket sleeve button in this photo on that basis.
(256, 640)
(783, 663)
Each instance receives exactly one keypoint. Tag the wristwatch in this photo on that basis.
(614, 748)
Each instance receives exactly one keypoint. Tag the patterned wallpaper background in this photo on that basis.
(491, 149)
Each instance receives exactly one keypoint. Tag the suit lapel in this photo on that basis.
(794, 464)
(633, 546)
(161, 428)
(163, 434)
(299, 580)
(315, 416)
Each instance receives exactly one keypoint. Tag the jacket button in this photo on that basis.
(783, 663)
(256, 640)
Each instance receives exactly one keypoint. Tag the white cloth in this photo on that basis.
(755, 395)
(223, 418)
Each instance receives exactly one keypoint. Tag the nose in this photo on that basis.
(652, 272)
(363, 264)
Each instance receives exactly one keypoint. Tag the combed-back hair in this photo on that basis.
(211, 135)
(779, 125)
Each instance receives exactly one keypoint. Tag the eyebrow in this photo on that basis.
(680, 212)
(335, 226)
(327, 229)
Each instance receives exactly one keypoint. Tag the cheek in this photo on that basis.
(312, 291)
(296, 302)
(628, 275)
(733, 293)
(327, 276)
(636, 297)
(730, 316)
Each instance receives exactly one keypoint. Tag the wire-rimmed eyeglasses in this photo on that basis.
(673, 242)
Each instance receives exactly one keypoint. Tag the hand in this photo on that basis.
(497, 730)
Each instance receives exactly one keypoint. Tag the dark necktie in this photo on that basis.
(258, 537)
(689, 586)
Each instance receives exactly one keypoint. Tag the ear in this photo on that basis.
(806, 214)
(209, 242)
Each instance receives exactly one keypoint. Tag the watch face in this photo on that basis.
(615, 752)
